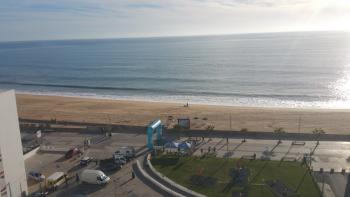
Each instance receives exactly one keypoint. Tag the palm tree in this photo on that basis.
(278, 132)
(318, 132)
(244, 131)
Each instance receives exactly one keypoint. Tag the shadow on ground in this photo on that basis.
(81, 189)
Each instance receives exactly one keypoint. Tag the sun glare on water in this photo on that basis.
(341, 87)
(341, 91)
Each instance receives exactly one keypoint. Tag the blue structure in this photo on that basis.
(155, 126)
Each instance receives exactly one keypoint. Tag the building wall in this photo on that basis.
(11, 146)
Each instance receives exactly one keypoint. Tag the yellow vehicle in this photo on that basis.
(56, 179)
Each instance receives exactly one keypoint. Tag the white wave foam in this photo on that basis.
(208, 100)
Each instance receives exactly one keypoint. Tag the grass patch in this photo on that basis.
(218, 176)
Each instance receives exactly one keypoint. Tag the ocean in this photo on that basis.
(295, 70)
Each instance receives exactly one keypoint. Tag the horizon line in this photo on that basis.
(170, 36)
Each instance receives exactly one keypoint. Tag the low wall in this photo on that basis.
(156, 182)
(31, 153)
(166, 179)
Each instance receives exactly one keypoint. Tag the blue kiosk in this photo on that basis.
(155, 126)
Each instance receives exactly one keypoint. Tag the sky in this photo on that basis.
(82, 19)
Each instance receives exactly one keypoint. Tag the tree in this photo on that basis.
(318, 132)
(210, 128)
(244, 131)
(278, 132)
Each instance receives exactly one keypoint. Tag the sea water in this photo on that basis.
(299, 69)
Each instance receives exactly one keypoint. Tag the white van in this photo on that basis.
(94, 177)
(127, 151)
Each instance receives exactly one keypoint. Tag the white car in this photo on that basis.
(37, 176)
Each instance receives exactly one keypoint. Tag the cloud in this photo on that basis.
(43, 19)
(256, 3)
(144, 5)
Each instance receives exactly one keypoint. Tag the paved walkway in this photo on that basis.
(326, 155)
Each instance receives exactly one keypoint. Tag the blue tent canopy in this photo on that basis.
(185, 145)
(171, 145)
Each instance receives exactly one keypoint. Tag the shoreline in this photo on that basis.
(128, 99)
(140, 113)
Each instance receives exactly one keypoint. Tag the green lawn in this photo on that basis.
(220, 169)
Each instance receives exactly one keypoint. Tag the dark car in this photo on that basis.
(85, 161)
(40, 194)
(72, 152)
(108, 165)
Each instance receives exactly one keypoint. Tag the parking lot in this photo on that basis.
(53, 160)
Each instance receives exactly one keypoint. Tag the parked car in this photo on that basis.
(56, 179)
(40, 194)
(108, 165)
(37, 176)
(72, 152)
(119, 159)
(85, 161)
(127, 151)
(94, 177)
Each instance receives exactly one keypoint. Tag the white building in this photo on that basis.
(13, 180)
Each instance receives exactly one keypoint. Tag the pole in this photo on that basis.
(227, 144)
(230, 122)
(299, 125)
(322, 184)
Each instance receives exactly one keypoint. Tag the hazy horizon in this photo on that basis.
(180, 36)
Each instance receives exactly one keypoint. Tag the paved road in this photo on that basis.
(216, 133)
(121, 184)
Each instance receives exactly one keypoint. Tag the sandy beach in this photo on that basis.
(140, 113)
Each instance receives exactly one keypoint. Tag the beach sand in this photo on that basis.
(141, 113)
